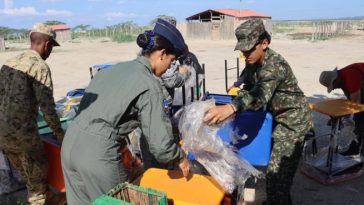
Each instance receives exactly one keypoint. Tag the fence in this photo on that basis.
(325, 30)
(315, 30)
(116, 33)
(2, 44)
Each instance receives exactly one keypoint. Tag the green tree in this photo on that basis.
(81, 27)
(53, 22)
(5, 31)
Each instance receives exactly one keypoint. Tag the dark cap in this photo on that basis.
(171, 33)
(248, 34)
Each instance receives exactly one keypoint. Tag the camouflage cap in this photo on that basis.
(248, 34)
(45, 29)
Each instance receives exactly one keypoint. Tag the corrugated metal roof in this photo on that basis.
(60, 27)
(233, 12)
(241, 13)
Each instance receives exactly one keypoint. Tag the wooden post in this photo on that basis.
(2, 44)
(203, 82)
(226, 76)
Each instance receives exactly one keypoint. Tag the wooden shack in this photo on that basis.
(63, 32)
(220, 23)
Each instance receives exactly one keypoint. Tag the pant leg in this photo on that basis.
(92, 166)
(359, 131)
(76, 192)
(286, 153)
(27, 155)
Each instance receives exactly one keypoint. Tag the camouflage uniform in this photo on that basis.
(26, 85)
(273, 84)
(170, 80)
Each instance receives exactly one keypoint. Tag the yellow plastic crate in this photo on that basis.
(195, 190)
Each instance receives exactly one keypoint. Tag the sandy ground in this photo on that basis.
(70, 69)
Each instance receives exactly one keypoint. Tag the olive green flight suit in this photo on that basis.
(117, 101)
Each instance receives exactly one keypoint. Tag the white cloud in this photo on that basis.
(51, 12)
(111, 15)
(31, 11)
(23, 11)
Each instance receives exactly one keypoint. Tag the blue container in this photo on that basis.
(254, 130)
(220, 99)
(76, 92)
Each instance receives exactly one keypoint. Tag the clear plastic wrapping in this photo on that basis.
(316, 149)
(219, 159)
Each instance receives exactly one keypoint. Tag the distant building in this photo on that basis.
(2, 44)
(221, 23)
(63, 32)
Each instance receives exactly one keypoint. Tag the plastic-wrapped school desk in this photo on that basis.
(196, 190)
(332, 170)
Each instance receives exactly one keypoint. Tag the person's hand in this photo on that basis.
(183, 69)
(184, 165)
(218, 114)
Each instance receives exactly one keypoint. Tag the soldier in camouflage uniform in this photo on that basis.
(269, 81)
(26, 86)
(177, 74)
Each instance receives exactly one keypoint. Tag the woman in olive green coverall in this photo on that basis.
(116, 102)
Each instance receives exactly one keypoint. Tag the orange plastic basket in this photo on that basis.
(55, 174)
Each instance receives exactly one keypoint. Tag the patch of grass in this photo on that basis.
(301, 36)
(282, 29)
(124, 38)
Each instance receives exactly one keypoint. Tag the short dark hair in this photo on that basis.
(263, 36)
(150, 42)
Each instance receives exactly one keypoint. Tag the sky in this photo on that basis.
(101, 13)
